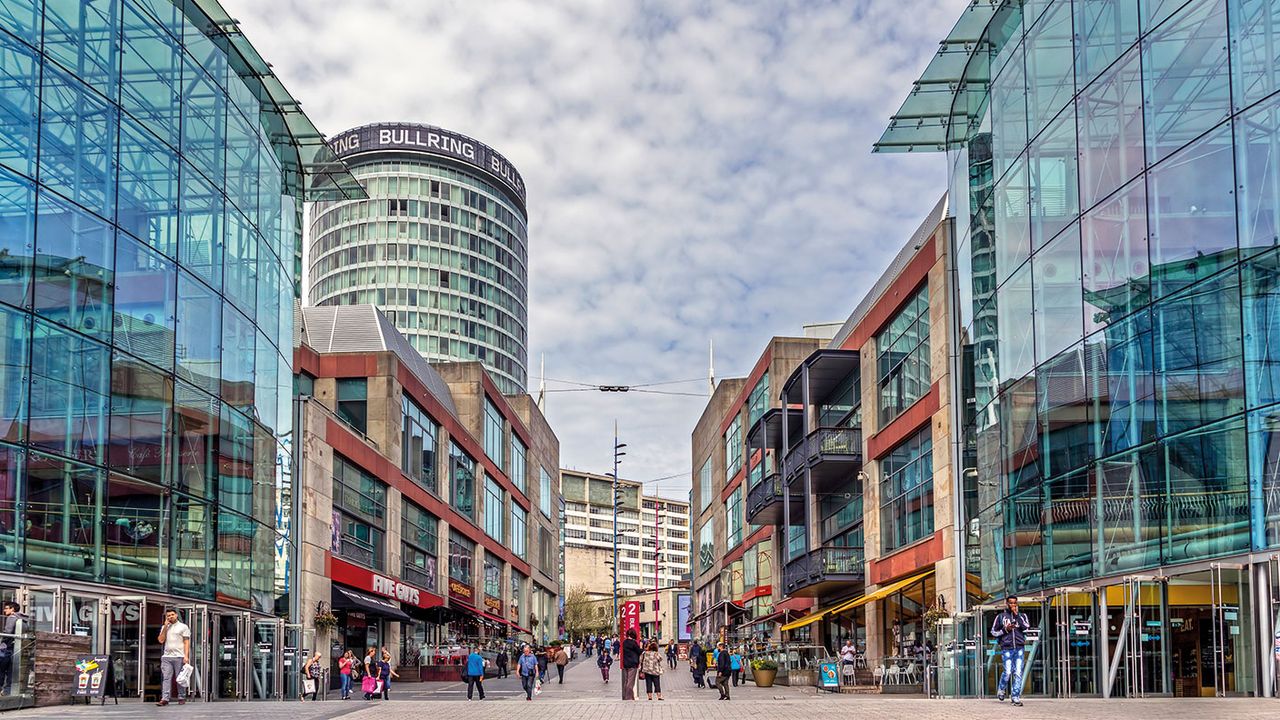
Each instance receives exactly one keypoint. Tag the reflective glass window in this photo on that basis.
(353, 401)
(1049, 67)
(19, 80)
(1070, 528)
(1208, 491)
(201, 228)
(145, 302)
(519, 530)
(198, 334)
(1264, 463)
(204, 123)
(74, 260)
(22, 18)
(902, 357)
(1255, 56)
(544, 492)
(733, 448)
(240, 263)
(462, 552)
(242, 164)
(141, 420)
(1120, 364)
(462, 481)
(1012, 220)
(418, 442)
(70, 387)
(1111, 130)
(1008, 114)
(238, 357)
(1054, 179)
(1058, 298)
(495, 509)
(133, 532)
(15, 349)
(1186, 90)
(1016, 321)
(518, 466)
(1192, 213)
(63, 524)
(1257, 148)
(1261, 292)
(1020, 426)
(494, 437)
(1023, 515)
(236, 461)
(84, 37)
(196, 433)
(1105, 29)
(17, 238)
(1199, 354)
(151, 74)
(235, 557)
(12, 466)
(1133, 534)
(1116, 270)
(906, 492)
(190, 550)
(77, 142)
(147, 206)
(266, 372)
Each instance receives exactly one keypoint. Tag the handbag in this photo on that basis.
(537, 688)
(308, 686)
(369, 684)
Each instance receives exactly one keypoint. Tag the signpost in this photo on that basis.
(829, 676)
(94, 678)
(630, 618)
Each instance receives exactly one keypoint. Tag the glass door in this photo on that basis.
(1146, 656)
(84, 617)
(127, 643)
(1231, 659)
(231, 666)
(197, 618)
(298, 642)
(267, 659)
(1074, 659)
(44, 604)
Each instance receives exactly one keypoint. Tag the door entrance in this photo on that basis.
(230, 645)
(1142, 641)
(267, 659)
(1071, 658)
(1210, 631)
(126, 644)
(197, 619)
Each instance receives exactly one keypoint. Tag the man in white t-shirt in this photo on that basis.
(848, 653)
(176, 638)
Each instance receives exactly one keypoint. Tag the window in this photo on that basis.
(495, 510)
(733, 518)
(519, 531)
(842, 407)
(544, 492)
(359, 506)
(419, 532)
(462, 554)
(353, 402)
(492, 576)
(902, 357)
(758, 401)
(906, 492)
(733, 449)
(546, 549)
(462, 481)
(418, 435)
(517, 593)
(517, 471)
(494, 440)
(707, 546)
(704, 484)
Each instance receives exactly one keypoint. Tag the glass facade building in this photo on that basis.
(1115, 202)
(151, 178)
(440, 245)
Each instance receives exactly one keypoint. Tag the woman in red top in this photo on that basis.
(345, 663)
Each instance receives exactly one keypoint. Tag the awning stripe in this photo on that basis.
(857, 602)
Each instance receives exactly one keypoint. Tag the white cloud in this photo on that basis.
(695, 170)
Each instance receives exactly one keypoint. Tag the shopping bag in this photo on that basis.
(184, 677)
(369, 684)
(537, 687)
(308, 686)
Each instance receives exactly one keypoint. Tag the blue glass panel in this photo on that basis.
(1054, 179)
(204, 123)
(1116, 267)
(1187, 88)
(1261, 290)
(63, 524)
(133, 532)
(240, 265)
(200, 243)
(1134, 521)
(199, 334)
(77, 143)
(242, 165)
(1155, 12)
(1111, 130)
(269, 310)
(1050, 70)
(1199, 354)
(242, 98)
(1020, 418)
(1192, 213)
(147, 206)
(141, 420)
(12, 489)
(202, 49)
(84, 38)
(235, 469)
(1059, 301)
(238, 336)
(151, 74)
(1105, 30)
(17, 239)
(165, 14)
(196, 426)
(145, 302)
(265, 373)
(1208, 492)
(1063, 400)
(22, 18)
(1023, 515)
(1264, 466)
(15, 348)
(1120, 366)
(19, 78)
(1008, 114)
(1258, 176)
(269, 198)
(75, 255)
(1071, 528)
(1255, 55)
(1012, 221)
(70, 385)
(190, 556)
(1016, 322)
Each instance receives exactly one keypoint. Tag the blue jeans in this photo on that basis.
(346, 684)
(1012, 666)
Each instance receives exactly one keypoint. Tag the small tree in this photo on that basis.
(580, 616)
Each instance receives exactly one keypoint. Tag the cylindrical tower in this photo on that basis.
(440, 246)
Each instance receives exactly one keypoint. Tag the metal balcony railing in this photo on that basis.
(821, 444)
(764, 492)
(822, 564)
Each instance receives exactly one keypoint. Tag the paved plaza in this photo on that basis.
(584, 696)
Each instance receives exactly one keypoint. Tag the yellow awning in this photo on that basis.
(857, 602)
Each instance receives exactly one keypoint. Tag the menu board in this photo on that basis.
(93, 676)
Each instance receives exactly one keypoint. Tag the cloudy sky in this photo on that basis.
(695, 170)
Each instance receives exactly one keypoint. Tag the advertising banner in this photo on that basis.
(92, 676)
(684, 610)
(630, 619)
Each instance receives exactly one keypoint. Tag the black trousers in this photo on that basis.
(653, 684)
(671, 660)
(560, 671)
(475, 682)
(735, 674)
(527, 682)
(722, 684)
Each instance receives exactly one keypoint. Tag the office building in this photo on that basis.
(152, 174)
(440, 245)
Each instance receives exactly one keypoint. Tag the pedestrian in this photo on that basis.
(671, 655)
(371, 662)
(651, 669)
(603, 661)
(544, 658)
(385, 673)
(630, 665)
(848, 655)
(698, 664)
(8, 639)
(501, 662)
(723, 671)
(561, 659)
(346, 664)
(735, 665)
(617, 645)
(310, 678)
(1010, 628)
(527, 667)
(175, 636)
(475, 672)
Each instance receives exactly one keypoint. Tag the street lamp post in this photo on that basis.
(617, 456)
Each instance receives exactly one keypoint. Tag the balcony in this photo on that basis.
(824, 571)
(764, 503)
(833, 456)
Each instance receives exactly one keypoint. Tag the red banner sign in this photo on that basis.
(357, 577)
(630, 618)
(460, 591)
(493, 604)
